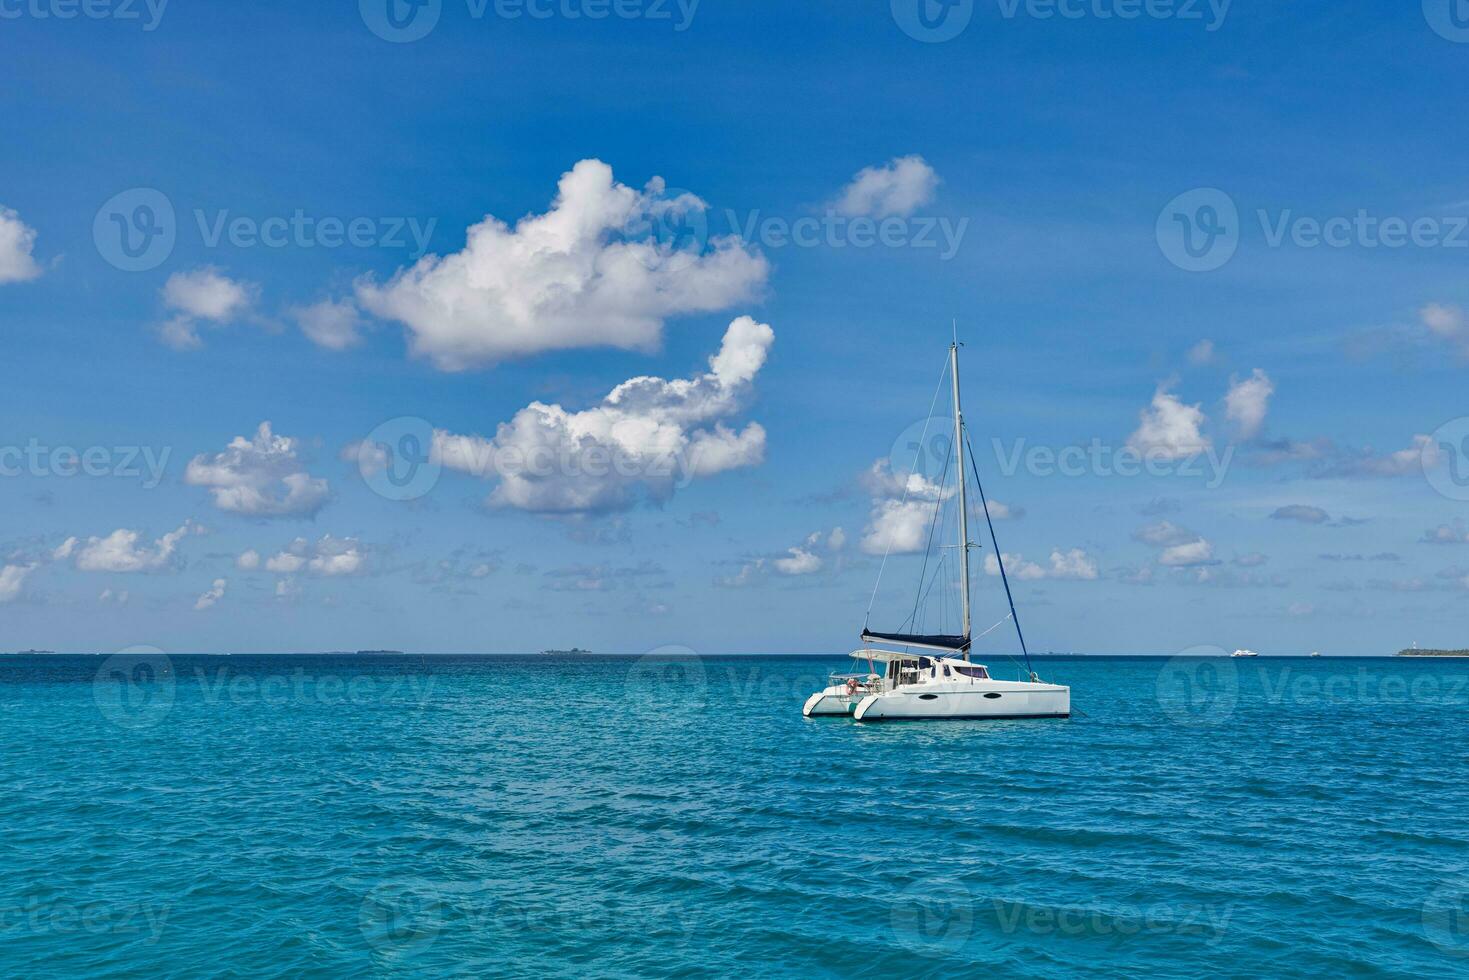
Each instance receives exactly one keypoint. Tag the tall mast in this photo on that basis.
(963, 504)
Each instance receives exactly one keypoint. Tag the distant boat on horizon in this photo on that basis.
(1244, 653)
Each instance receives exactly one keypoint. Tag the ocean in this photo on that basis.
(197, 816)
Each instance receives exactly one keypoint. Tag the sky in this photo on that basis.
(462, 326)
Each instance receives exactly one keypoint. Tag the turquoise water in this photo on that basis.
(198, 816)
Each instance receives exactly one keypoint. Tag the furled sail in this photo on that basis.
(932, 641)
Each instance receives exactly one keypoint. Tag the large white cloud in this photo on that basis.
(899, 188)
(902, 510)
(262, 477)
(578, 275)
(124, 550)
(646, 438)
(1169, 429)
(17, 242)
(201, 296)
(1247, 401)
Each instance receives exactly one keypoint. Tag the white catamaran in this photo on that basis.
(942, 683)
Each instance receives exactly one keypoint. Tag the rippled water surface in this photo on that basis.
(202, 816)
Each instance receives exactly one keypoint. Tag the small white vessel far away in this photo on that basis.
(940, 681)
(1244, 653)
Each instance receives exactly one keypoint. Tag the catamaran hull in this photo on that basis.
(1015, 701)
(833, 701)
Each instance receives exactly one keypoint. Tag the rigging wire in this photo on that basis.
(938, 506)
(922, 441)
(999, 557)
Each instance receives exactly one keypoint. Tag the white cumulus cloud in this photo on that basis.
(1247, 401)
(262, 476)
(213, 595)
(899, 188)
(12, 577)
(17, 242)
(646, 438)
(583, 274)
(1169, 429)
(201, 296)
(327, 557)
(124, 550)
(1074, 564)
(335, 324)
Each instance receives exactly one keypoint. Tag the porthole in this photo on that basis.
(992, 694)
(927, 697)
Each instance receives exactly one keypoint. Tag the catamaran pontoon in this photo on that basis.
(944, 683)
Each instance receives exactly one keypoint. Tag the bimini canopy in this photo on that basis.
(931, 641)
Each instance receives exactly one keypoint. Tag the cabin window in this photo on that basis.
(976, 672)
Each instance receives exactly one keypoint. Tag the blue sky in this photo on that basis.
(1036, 176)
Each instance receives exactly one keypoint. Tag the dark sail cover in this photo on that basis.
(936, 641)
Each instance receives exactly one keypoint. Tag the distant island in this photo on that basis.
(26, 653)
(573, 652)
(1415, 652)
